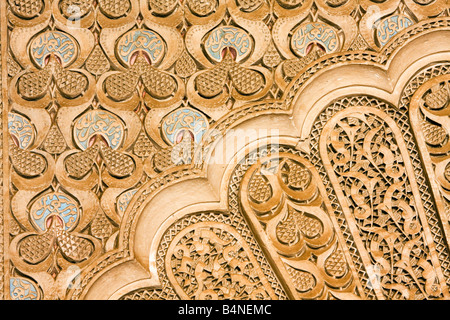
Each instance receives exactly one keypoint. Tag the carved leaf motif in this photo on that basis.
(122, 86)
(80, 163)
(35, 248)
(296, 222)
(158, 84)
(26, 8)
(201, 7)
(303, 281)
(259, 188)
(34, 85)
(26, 163)
(246, 81)
(298, 176)
(118, 164)
(335, 264)
(74, 247)
(211, 83)
(114, 8)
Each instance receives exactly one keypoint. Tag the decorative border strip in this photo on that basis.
(4, 285)
(2, 244)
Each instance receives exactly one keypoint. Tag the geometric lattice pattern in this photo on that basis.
(215, 149)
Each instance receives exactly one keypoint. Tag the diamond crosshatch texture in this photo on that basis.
(222, 149)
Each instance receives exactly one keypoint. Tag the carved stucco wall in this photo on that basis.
(225, 149)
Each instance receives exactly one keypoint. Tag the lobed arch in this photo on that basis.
(204, 188)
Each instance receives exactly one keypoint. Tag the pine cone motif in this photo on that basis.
(303, 281)
(185, 66)
(97, 63)
(272, 58)
(335, 264)
(143, 147)
(55, 143)
(299, 177)
(101, 228)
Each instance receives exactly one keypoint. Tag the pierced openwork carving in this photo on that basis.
(222, 149)
(371, 169)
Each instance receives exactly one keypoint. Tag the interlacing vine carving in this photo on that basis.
(370, 165)
(281, 194)
(111, 106)
(211, 256)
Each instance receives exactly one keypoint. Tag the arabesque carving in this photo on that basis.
(221, 149)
